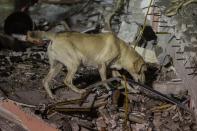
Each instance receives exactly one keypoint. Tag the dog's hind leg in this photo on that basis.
(69, 79)
(102, 72)
(54, 70)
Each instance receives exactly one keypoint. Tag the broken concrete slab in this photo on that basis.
(49, 12)
(148, 55)
(128, 31)
(30, 121)
(9, 116)
(169, 87)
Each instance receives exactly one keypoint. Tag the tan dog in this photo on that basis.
(101, 50)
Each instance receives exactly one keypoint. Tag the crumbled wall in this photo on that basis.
(181, 43)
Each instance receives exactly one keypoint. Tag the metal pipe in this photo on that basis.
(171, 100)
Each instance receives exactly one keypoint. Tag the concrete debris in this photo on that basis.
(177, 5)
(49, 12)
(128, 32)
(100, 110)
(166, 106)
(167, 70)
(27, 121)
(148, 55)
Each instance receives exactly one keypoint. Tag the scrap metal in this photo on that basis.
(173, 101)
(177, 5)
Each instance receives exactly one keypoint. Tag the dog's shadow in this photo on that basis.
(151, 75)
(83, 78)
(87, 76)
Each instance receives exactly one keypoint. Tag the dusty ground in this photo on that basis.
(21, 76)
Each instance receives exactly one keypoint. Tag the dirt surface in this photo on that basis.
(22, 73)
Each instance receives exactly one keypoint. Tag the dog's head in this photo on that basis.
(36, 37)
(140, 67)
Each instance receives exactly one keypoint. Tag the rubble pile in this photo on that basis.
(127, 105)
(84, 16)
(99, 109)
(108, 113)
(22, 65)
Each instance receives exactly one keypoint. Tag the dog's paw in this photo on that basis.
(67, 88)
(54, 98)
(82, 91)
(57, 99)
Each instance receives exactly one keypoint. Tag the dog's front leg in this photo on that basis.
(135, 77)
(69, 79)
(115, 73)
